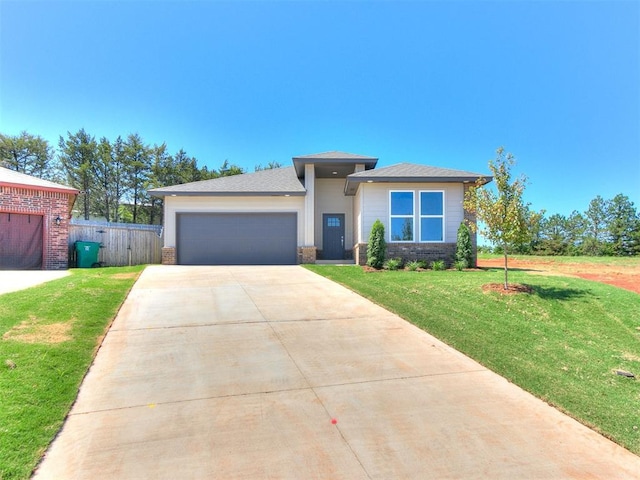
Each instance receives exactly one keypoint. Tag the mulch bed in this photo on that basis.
(514, 288)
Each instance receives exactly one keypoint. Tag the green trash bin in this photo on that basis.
(87, 254)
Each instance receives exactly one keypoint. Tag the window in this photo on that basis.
(401, 216)
(432, 216)
(333, 221)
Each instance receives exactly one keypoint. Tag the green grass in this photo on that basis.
(561, 343)
(50, 333)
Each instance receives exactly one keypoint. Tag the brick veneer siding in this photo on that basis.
(412, 251)
(428, 252)
(169, 256)
(48, 204)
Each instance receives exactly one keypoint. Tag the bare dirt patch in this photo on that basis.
(124, 276)
(622, 276)
(30, 331)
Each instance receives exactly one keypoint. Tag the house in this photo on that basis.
(34, 222)
(320, 208)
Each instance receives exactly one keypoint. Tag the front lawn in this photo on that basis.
(49, 335)
(562, 343)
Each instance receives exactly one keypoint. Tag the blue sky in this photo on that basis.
(430, 82)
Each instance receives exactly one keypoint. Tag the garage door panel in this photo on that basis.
(236, 238)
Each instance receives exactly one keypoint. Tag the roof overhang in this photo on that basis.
(169, 193)
(42, 188)
(353, 182)
(326, 166)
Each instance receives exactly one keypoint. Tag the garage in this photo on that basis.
(20, 241)
(236, 238)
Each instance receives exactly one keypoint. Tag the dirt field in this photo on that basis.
(623, 276)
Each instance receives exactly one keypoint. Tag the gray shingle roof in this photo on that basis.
(277, 181)
(411, 172)
(11, 177)
(334, 155)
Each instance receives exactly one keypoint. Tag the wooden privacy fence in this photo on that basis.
(120, 243)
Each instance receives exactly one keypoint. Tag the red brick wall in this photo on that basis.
(49, 204)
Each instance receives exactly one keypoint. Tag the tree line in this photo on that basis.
(608, 227)
(113, 176)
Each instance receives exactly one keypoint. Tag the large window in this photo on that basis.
(432, 216)
(401, 216)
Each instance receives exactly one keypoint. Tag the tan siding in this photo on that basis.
(330, 198)
(376, 205)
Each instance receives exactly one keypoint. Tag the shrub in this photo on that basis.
(393, 264)
(377, 247)
(438, 265)
(464, 249)
(460, 265)
(414, 265)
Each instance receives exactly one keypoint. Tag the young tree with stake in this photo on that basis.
(506, 218)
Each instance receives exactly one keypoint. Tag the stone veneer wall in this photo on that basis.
(48, 204)
(169, 256)
(306, 254)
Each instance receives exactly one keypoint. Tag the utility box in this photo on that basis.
(87, 254)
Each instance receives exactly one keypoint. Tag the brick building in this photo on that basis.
(34, 222)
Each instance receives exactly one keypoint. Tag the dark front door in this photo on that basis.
(333, 236)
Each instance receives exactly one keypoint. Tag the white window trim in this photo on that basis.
(443, 216)
(412, 216)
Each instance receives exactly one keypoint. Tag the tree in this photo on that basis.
(575, 228)
(118, 178)
(269, 166)
(624, 224)
(102, 170)
(26, 153)
(464, 249)
(507, 219)
(163, 172)
(226, 169)
(377, 246)
(597, 224)
(554, 238)
(137, 166)
(78, 155)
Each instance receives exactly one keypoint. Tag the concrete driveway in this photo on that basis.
(275, 372)
(14, 280)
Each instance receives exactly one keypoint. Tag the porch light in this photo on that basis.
(369, 181)
(58, 220)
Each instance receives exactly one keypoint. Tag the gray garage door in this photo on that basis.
(236, 238)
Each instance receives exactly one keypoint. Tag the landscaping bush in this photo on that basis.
(438, 265)
(393, 264)
(377, 246)
(464, 249)
(414, 265)
(460, 265)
